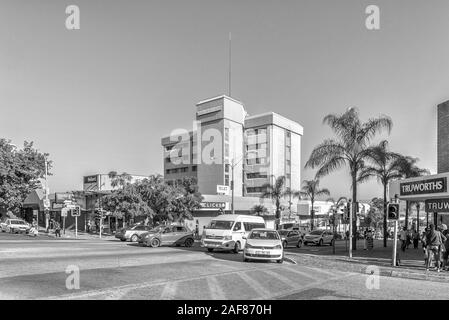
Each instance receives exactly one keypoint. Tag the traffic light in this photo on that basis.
(393, 211)
(76, 212)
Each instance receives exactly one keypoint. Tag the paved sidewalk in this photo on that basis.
(411, 266)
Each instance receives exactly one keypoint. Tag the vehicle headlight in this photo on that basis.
(278, 247)
(227, 237)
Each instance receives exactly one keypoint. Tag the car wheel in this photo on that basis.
(236, 247)
(332, 243)
(134, 238)
(299, 244)
(245, 260)
(189, 242)
(284, 244)
(122, 239)
(280, 261)
(210, 249)
(320, 243)
(155, 243)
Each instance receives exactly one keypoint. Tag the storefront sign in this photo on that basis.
(213, 205)
(90, 179)
(57, 206)
(437, 205)
(437, 185)
(223, 189)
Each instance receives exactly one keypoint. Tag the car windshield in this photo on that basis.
(17, 222)
(218, 224)
(283, 232)
(264, 235)
(316, 232)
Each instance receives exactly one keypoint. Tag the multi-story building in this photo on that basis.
(227, 147)
(443, 137)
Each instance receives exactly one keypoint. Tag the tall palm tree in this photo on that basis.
(276, 192)
(385, 167)
(311, 190)
(349, 148)
(409, 169)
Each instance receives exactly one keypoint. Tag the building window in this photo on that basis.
(256, 175)
(255, 190)
(194, 168)
(226, 134)
(226, 180)
(226, 150)
(227, 168)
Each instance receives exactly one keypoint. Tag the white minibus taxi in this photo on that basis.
(227, 231)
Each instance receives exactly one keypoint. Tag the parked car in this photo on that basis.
(263, 244)
(15, 226)
(132, 234)
(290, 238)
(227, 231)
(167, 235)
(319, 237)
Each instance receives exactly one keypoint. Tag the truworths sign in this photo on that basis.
(421, 188)
(427, 186)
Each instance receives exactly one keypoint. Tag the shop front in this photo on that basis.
(430, 190)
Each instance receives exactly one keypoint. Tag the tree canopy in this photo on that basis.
(20, 171)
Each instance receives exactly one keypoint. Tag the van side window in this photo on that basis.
(237, 226)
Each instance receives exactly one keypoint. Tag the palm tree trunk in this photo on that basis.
(385, 215)
(354, 215)
(312, 216)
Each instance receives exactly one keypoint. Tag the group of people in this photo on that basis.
(409, 237)
(435, 242)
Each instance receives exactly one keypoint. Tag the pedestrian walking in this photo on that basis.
(88, 226)
(446, 249)
(370, 239)
(415, 239)
(57, 229)
(435, 240)
(424, 244)
(403, 237)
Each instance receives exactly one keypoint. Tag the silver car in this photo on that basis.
(132, 234)
(15, 226)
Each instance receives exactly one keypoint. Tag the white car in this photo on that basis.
(319, 237)
(15, 226)
(263, 244)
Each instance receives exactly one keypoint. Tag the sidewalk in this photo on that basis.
(70, 234)
(363, 261)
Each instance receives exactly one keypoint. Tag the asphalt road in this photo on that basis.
(110, 269)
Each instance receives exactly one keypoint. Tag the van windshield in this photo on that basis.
(218, 224)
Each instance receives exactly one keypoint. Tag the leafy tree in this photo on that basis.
(119, 180)
(375, 214)
(186, 199)
(126, 203)
(385, 166)
(20, 171)
(276, 192)
(311, 190)
(353, 138)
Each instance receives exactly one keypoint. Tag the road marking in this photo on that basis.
(169, 292)
(304, 274)
(279, 277)
(322, 271)
(254, 284)
(110, 290)
(215, 289)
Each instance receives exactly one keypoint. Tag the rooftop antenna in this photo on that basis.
(229, 92)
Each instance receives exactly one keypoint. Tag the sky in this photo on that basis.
(100, 98)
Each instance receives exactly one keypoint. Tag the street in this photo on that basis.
(110, 269)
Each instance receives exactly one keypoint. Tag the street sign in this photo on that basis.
(64, 212)
(46, 203)
(70, 206)
(223, 189)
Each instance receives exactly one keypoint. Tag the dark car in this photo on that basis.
(291, 238)
(132, 234)
(167, 235)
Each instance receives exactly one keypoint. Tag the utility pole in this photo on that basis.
(350, 227)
